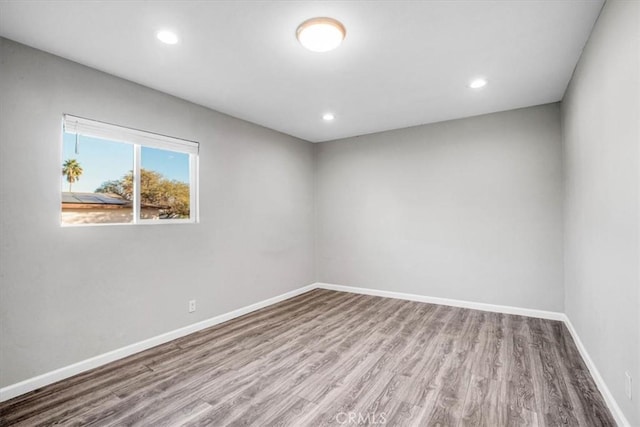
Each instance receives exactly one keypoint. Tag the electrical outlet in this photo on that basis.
(627, 384)
(192, 306)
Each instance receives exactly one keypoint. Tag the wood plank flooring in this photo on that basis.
(334, 358)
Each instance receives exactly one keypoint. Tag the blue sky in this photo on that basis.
(103, 160)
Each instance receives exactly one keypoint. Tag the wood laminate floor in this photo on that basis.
(333, 358)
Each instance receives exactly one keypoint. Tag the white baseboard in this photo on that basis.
(542, 314)
(31, 384)
(602, 386)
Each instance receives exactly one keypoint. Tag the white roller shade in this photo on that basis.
(78, 125)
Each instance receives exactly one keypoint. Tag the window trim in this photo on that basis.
(138, 139)
(103, 130)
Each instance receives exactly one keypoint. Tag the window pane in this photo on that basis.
(164, 184)
(96, 181)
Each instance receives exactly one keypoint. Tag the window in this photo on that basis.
(116, 175)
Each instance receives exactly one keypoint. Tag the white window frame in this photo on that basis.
(138, 139)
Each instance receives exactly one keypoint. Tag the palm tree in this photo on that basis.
(72, 170)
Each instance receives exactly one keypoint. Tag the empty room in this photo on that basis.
(320, 213)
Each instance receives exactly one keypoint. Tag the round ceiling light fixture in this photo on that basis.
(321, 34)
(327, 117)
(477, 83)
(167, 37)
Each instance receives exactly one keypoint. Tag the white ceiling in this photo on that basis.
(402, 63)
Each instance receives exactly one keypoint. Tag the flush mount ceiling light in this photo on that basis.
(327, 117)
(321, 34)
(477, 83)
(167, 37)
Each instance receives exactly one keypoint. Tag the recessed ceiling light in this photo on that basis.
(477, 83)
(321, 34)
(327, 117)
(167, 37)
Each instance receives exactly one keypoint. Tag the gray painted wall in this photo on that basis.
(601, 125)
(68, 294)
(468, 209)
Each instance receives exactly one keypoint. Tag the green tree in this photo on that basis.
(72, 170)
(170, 195)
(121, 187)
